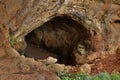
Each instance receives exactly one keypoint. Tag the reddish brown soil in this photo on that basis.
(110, 64)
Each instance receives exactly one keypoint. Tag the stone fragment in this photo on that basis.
(85, 68)
(56, 67)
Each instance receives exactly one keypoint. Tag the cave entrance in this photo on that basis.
(56, 38)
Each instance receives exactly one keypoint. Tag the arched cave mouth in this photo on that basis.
(57, 38)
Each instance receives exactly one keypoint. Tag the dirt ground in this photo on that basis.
(37, 52)
(110, 64)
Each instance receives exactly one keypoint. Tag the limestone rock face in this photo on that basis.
(100, 20)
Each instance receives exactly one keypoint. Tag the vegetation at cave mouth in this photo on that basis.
(81, 76)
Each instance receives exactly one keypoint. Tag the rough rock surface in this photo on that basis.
(16, 67)
(101, 18)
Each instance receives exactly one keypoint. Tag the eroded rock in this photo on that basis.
(59, 36)
(19, 17)
(56, 67)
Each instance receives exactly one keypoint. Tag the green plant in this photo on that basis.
(12, 40)
(81, 76)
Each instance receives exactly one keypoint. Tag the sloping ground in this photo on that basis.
(107, 63)
(110, 64)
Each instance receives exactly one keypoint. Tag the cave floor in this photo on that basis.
(38, 52)
(109, 63)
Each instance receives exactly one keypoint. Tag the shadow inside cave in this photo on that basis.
(57, 38)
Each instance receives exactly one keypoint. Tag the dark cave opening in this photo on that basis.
(117, 21)
(56, 38)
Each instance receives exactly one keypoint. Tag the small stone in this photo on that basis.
(80, 59)
(22, 56)
(100, 66)
(56, 67)
(49, 60)
(86, 68)
(93, 56)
